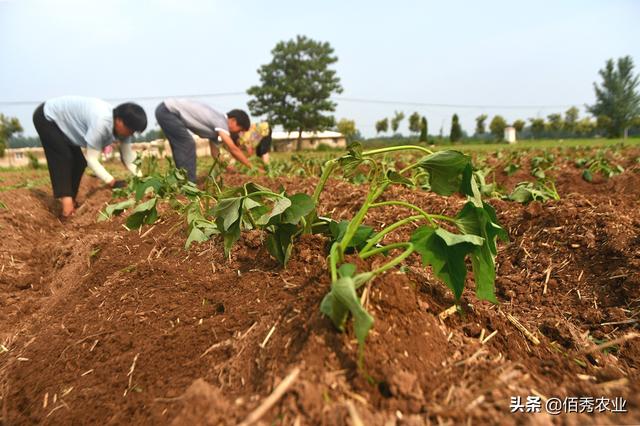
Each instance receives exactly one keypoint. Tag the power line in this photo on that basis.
(425, 104)
(138, 98)
(337, 98)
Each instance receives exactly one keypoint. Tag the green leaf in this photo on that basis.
(587, 175)
(301, 205)
(396, 177)
(335, 310)
(347, 270)
(115, 209)
(252, 187)
(350, 161)
(151, 216)
(193, 212)
(272, 216)
(446, 170)
(280, 242)
(340, 301)
(190, 190)
(359, 240)
(280, 206)
(228, 210)
(195, 235)
(522, 194)
(143, 213)
(511, 169)
(146, 206)
(135, 220)
(469, 185)
(445, 252)
(484, 223)
(201, 230)
(250, 204)
(230, 234)
(538, 173)
(152, 182)
(527, 191)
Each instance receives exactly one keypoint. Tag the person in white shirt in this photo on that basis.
(69, 123)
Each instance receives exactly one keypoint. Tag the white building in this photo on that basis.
(510, 134)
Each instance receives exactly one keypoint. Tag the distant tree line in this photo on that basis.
(616, 113)
(418, 125)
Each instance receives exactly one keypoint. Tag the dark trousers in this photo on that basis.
(264, 146)
(183, 147)
(65, 160)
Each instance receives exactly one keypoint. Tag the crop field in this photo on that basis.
(379, 286)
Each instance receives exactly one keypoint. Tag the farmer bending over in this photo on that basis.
(177, 116)
(68, 124)
(258, 137)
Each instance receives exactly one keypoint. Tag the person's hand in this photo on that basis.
(118, 183)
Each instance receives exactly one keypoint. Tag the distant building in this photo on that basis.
(286, 141)
(20, 157)
(510, 134)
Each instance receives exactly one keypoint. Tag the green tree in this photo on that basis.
(296, 86)
(382, 126)
(8, 127)
(347, 128)
(519, 125)
(604, 123)
(554, 122)
(585, 127)
(537, 127)
(456, 131)
(480, 124)
(617, 97)
(395, 121)
(414, 123)
(571, 119)
(497, 126)
(424, 130)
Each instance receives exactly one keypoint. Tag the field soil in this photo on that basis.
(101, 325)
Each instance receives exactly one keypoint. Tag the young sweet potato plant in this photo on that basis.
(216, 210)
(444, 251)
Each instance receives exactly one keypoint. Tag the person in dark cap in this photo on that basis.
(177, 117)
(69, 123)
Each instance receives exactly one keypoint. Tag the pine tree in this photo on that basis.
(424, 130)
(617, 98)
(456, 130)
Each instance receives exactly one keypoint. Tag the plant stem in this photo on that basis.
(352, 228)
(397, 260)
(328, 169)
(397, 148)
(408, 205)
(382, 249)
(406, 169)
(377, 237)
(333, 261)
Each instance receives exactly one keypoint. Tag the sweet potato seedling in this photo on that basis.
(445, 251)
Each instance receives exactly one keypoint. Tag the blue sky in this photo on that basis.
(467, 53)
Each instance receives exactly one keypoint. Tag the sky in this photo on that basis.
(518, 59)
